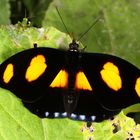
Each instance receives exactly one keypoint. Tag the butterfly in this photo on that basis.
(56, 83)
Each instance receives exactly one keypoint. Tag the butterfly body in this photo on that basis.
(51, 82)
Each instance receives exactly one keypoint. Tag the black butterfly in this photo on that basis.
(83, 86)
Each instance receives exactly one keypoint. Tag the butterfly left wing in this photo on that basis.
(28, 74)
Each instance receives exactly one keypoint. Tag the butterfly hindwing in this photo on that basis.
(48, 104)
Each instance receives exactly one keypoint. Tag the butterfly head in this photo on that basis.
(73, 46)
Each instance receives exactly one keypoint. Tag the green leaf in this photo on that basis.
(133, 108)
(17, 38)
(4, 12)
(16, 122)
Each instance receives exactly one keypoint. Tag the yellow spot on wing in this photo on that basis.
(137, 86)
(36, 68)
(82, 82)
(8, 73)
(110, 75)
(61, 80)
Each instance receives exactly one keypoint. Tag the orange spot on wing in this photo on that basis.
(61, 80)
(82, 82)
(36, 68)
(8, 73)
(137, 86)
(110, 75)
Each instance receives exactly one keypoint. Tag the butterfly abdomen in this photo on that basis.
(71, 96)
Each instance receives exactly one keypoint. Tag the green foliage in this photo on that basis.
(16, 122)
(20, 37)
(4, 12)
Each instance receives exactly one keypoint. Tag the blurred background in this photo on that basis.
(117, 32)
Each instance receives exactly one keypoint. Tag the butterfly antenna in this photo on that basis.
(92, 25)
(62, 20)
